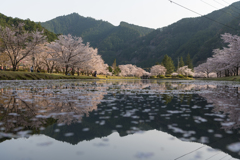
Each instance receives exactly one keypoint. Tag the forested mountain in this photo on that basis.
(143, 46)
(94, 31)
(109, 39)
(196, 36)
(29, 25)
(142, 30)
(89, 29)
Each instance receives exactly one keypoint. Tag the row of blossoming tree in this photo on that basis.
(224, 62)
(67, 54)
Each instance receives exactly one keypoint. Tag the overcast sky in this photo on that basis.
(148, 13)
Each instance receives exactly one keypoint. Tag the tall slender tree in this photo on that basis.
(181, 63)
(189, 61)
(114, 65)
(167, 62)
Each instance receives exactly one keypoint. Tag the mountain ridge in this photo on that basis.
(133, 44)
(29, 25)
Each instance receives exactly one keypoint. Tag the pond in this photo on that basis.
(119, 120)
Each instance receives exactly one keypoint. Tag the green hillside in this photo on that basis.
(196, 36)
(142, 30)
(107, 38)
(29, 25)
(88, 28)
(143, 46)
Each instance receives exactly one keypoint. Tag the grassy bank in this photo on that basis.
(9, 75)
(174, 78)
(233, 78)
(115, 77)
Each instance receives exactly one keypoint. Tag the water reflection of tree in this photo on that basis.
(68, 103)
(147, 112)
(126, 108)
(226, 101)
(31, 109)
(17, 115)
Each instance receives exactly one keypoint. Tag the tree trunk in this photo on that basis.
(66, 69)
(14, 67)
(51, 70)
(73, 71)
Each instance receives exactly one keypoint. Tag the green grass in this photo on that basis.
(232, 78)
(115, 77)
(10, 75)
(174, 78)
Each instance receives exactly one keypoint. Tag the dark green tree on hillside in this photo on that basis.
(114, 65)
(167, 62)
(189, 61)
(116, 70)
(181, 62)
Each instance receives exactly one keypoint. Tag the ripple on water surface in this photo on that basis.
(119, 119)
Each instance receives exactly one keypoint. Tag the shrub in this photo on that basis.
(190, 76)
(110, 69)
(153, 77)
(181, 76)
(168, 75)
(161, 76)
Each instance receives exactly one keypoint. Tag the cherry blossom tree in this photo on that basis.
(94, 63)
(199, 75)
(70, 51)
(232, 52)
(158, 70)
(226, 61)
(185, 71)
(1, 47)
(33, 60)
(18, 43)
(45, 54)
(4, 59)
(128, 70)
(141, 72)
(203, 68)
(218, 62)
(174, 74)
(132, 70)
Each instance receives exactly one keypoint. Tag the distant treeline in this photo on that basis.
(29, 26)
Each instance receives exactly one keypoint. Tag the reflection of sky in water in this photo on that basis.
(78, 113)
(146, 145)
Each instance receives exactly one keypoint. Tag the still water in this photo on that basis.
(119, 120)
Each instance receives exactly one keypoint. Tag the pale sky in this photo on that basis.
(147, 13)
